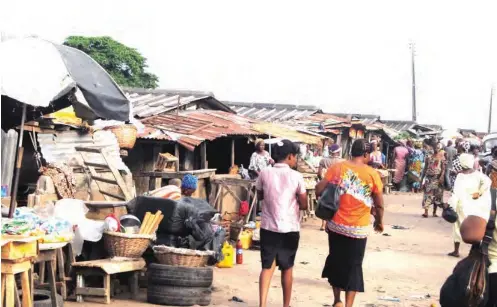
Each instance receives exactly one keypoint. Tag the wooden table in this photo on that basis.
(48, 257)
(9, 288)
(105, 268)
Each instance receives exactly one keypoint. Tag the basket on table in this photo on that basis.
(181, 256)
(125, 134)
(126, 245)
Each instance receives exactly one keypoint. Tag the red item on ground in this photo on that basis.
(244, 208)
(239, 252)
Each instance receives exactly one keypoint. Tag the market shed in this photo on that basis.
(150, 102)
(271, 112)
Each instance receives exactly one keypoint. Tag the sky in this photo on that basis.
(343, 56)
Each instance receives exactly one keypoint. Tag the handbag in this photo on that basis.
(329, 202)
(468, 284)
(450, 215)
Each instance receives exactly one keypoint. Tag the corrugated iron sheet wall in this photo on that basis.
(9, 145)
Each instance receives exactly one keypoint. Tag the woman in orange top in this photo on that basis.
(348, 230)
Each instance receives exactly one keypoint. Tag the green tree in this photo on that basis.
(125, 64)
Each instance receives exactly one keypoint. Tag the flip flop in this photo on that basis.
(425, 216)
(453, 255)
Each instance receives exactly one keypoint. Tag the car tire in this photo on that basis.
(43, 298)
(167, 275)
(178, 296)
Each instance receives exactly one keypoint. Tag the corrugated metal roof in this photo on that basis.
(60, 147)
(272, 112)
(191, 128)
(148, 102)
(399, 125)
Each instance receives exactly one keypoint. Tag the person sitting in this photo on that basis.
(189, 185)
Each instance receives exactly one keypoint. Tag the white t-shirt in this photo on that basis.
(465, 185)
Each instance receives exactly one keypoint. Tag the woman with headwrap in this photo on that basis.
(189, 185)
(433, 178)
(260, 159)
(462, 147)
(471, 189)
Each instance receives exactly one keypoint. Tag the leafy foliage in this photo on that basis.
(125, 64)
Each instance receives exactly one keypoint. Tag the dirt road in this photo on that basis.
(406, 264)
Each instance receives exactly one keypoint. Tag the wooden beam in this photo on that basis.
(203, 155)
(156, 151)
(176, 154)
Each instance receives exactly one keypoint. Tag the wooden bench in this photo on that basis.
(105, 268)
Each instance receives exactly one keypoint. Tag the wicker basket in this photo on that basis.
(126, 245)
(125, 134)
(181, 256)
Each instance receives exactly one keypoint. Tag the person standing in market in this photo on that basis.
(362, 194)
(260, 159)
(470, 188)
(451, 153)
(433, 178)
(400, 154)
(282, 190)
(325, 163)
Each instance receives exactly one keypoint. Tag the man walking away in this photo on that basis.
(282, 190)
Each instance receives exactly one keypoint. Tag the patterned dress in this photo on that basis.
(433, 189)
(415, 168)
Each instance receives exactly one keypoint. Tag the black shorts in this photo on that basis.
(281, 247)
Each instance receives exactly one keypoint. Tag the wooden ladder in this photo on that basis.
(118, 179)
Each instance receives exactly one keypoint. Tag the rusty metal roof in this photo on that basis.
(272, 112)
(147, 102)
(191, 128)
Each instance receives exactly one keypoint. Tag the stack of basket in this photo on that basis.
(181, 278)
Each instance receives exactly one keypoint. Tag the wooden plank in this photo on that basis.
(107, 288)
(25, 283)
(112, 195)
(119, 179)
(90, 291)
(88, 149)
(200, 174)
(94, 164)
(10, 284)
(103, 179)
(176, 154)
(51, 281)
(9, 267)
(110, 266)
(155, 156)
(203, 155)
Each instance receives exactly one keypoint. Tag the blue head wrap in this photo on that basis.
(189, 182)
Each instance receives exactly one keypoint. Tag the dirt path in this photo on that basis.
(407, 264)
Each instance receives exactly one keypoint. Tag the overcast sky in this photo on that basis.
(344, 56)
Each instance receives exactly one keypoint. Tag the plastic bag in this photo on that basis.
(72, 210)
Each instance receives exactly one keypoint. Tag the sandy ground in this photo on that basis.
(406, 264)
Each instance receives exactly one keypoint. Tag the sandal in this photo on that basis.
(425, 215)
(453, 254)
(339, 304)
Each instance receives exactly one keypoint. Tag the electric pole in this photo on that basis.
(413, 49)
(490, 111)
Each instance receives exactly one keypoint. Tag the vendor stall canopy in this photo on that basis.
(49, 77)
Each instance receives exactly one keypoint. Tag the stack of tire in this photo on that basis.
(179, 285)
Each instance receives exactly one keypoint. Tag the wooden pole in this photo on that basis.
(176, 154)
(203, 155)
(20, 151)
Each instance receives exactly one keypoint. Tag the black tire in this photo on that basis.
(42, 298)
(178, 296)
(167, 275)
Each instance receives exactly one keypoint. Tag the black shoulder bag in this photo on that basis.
(468, 284)
(329, 202)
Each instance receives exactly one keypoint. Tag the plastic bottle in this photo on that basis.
(239, 252)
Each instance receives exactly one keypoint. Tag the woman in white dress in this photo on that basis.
(471, 188)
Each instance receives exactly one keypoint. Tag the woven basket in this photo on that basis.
(125, 134)
(126, 245)
(181, 256)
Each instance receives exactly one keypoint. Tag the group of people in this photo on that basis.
(282, 190)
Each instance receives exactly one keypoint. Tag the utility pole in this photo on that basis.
(491, 110)
(412, 45)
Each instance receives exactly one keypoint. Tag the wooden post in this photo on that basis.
(232, 152)
(176, 154)
(203, 156)
(17, 171)
(156, 151)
